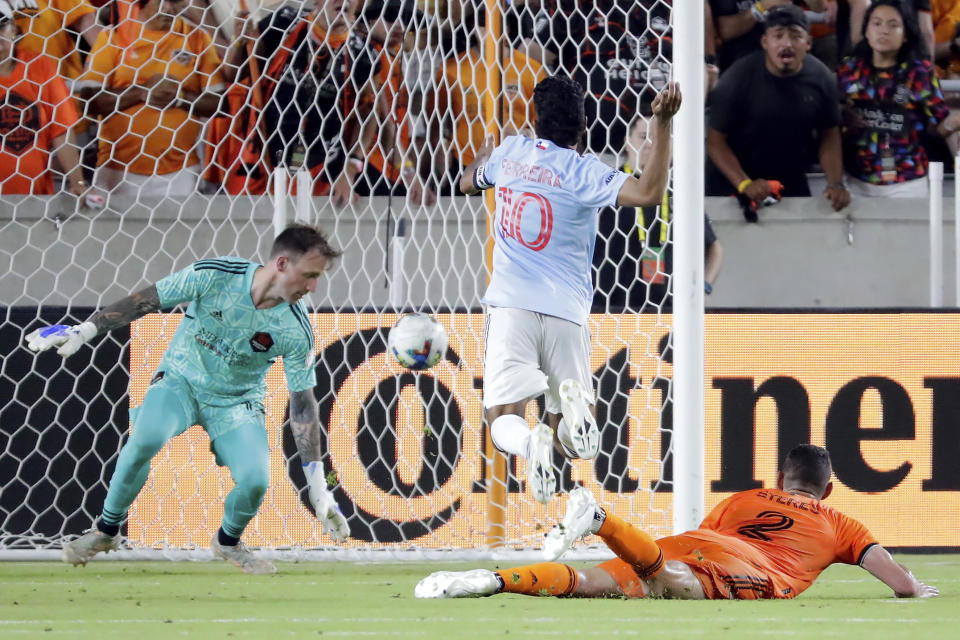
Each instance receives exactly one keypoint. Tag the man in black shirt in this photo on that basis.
(772, 114)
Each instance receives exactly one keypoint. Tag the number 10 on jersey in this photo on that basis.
(512, 207)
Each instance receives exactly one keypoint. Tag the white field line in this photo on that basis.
(418, 620)
(80, 582)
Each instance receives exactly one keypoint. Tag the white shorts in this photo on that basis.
(528, 353)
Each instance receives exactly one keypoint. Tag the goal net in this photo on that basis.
(397, 98)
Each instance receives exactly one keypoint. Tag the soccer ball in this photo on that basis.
(417, 341)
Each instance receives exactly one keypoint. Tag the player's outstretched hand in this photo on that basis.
(328, 513)
(68, 338)
(921, 590)
(667, 102)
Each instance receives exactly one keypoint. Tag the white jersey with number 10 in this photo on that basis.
(548, 198)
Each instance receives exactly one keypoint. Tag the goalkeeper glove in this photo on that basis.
(324, 504)
(68, 338)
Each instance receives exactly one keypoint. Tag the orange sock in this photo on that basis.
(632, 546)
(544, 579)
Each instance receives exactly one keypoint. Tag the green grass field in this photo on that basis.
(141, 600)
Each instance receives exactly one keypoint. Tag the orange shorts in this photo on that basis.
(723, 575)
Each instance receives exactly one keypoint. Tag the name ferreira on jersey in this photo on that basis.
(531, 172)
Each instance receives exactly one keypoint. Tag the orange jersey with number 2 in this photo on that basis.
(762, 543)
(767, 543)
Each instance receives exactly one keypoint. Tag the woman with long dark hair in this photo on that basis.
(892, 97)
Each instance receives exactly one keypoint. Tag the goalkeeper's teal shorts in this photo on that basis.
(170, 393)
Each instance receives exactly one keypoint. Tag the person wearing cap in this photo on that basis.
(740, 27)
(36, 115)
(836, 25)
(772, 115)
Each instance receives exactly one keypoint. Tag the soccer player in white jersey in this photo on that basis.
(241, 316)
(548, 195)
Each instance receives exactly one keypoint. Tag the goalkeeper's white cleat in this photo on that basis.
(242, 557)
(92, 542)
(540, 476)
(578, 430)
(458, 584)
(67, 338)
(577, 522)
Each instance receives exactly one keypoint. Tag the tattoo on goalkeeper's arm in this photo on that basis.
(305, 424)
(123, 312)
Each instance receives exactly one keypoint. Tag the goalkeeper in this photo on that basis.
(756, 544)
(241, 316)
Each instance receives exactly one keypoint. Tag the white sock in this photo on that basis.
(511, 434)
(599, 516)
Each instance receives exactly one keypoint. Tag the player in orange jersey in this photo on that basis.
(757, 544)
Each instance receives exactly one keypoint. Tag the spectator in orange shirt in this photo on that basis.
(458, 122)
(946, 30)
(53, 28)
(153, 94)
(756, 544)
(36, 114)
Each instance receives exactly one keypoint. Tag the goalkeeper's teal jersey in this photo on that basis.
(224, 345)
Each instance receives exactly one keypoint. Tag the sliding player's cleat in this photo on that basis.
(458, 584)
(577, 522)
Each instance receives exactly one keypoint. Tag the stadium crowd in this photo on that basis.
(377, 97)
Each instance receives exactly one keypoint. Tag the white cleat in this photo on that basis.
(576, 523)
(578, 430)
(92, 542)
(242, 557)
(458, 584)
(540, 476)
